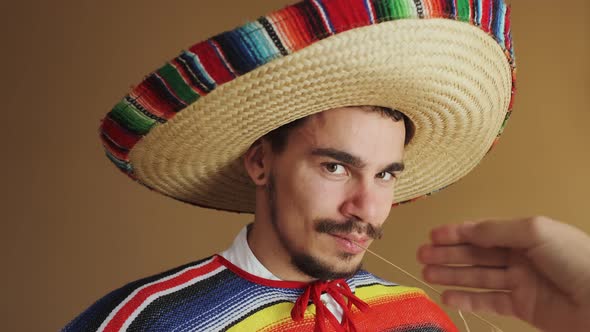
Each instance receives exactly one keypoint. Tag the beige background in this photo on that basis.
(74, 228)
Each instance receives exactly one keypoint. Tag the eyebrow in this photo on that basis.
(395, 167)
(347, 158)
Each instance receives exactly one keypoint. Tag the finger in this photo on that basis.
(462, 254)
(477, 277)
(491, 302)
(446, 235)
(516, 233)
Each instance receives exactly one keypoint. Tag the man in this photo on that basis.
(323, 184)
(316, 118)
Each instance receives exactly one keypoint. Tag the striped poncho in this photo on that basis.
(214, 295)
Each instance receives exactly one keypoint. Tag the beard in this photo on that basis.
(308, 264)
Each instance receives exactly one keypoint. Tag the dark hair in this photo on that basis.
(278, 137)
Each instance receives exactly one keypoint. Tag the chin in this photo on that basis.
(336, 266)
(348, 263)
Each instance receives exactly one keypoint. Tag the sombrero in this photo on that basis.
(446, 64)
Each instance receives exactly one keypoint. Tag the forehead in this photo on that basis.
(371, 135)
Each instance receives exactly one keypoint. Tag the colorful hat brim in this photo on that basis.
(183, 130)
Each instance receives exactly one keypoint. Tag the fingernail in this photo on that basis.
(426, 274)
(420, 253)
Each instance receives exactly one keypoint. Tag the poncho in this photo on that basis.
(214, 295)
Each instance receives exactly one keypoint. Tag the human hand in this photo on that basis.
(535, 269)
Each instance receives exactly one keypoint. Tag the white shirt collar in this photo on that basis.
(240, 254)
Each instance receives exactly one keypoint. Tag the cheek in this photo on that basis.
(321, 196)
(309, 196)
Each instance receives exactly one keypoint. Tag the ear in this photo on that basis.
(257, 162)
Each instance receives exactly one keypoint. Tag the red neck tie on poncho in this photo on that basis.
(341, 293)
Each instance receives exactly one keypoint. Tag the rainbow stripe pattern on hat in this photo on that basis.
(208, 64)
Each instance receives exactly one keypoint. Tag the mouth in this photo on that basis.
(348, 242)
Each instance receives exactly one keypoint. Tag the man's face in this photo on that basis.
(333, 183)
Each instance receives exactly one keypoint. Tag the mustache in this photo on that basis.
(350, 225)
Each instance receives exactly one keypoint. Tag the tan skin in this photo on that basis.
(542, 267)
(311, 185)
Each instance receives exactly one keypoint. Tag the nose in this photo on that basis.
(364, 201)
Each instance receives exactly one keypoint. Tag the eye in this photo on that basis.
(386, 176)
(335, 168)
